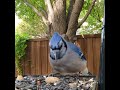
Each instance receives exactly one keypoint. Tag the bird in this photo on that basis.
(66, 57)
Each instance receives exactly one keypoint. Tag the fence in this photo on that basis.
(36, 61)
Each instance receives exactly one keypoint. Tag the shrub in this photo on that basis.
(20, 46)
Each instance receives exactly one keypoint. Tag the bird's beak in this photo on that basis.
(55, 56)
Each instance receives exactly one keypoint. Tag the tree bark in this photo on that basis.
(73, 22)
(50, 10)
(59, 21)
(70, 10)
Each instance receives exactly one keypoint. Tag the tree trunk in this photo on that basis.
(57, 20)
(66, 24)
(73, 21)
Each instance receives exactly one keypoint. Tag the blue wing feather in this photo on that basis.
(77, 50)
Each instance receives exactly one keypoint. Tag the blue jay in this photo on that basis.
(66, 57)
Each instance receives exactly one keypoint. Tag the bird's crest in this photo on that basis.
(56, 38)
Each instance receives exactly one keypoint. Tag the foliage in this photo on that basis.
(95, 19)
(32, 23)
(20, 46)
(30, 17)
(36, 29)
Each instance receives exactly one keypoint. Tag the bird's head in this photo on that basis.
(57, 46)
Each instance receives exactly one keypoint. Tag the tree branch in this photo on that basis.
(44, 12)
(87, 14)
(44, 17)
(49, 5)
(73, 21)
(50, 10)
(70, 9)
